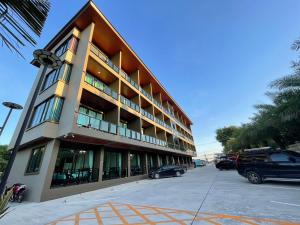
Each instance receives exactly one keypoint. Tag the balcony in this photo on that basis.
(129, 103)
(96, 51)
(125, 132)
(103, 57)
(95, 122)
(129, 80)
(147, 114)
(84, 120)
(91, 80)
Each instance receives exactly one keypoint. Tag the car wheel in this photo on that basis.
(156, 176)
(254, 177)
(178, 174)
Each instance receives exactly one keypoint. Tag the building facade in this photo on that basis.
(101, 119)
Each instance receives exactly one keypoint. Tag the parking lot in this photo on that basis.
(201, 196)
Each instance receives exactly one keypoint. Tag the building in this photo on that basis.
(101, 119)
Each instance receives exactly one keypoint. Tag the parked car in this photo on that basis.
(199, 163)
(226, 164)
(262, 164)
(167, 171)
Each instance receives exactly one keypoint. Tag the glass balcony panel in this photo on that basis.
(133, 134)
(113, 128)
(95, 123)
(89, 79)
(122, 131)
(138, 136)
(114, 95)
(83, 120)
(128, 133)
(104, 126)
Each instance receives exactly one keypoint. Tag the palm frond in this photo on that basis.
(296, 45)
(287, 82)
(21, 20)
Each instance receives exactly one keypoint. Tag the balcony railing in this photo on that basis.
(157, 103)
(147, 114)
(125, 132)
(146, 94)
(129, 103)
(90, 79)
(84, 120)
(88, 121)
(128, 78)
(104, 57)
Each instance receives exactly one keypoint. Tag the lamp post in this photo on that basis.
(48, 60)
(11, 107)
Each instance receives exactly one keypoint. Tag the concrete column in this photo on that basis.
(101, 163)
(178, 160)
(146, 163)
(128, 164)
(167, 159)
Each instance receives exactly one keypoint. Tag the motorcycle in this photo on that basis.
(18, 192)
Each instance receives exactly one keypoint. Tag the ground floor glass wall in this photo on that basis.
(114, 165)
(152, 162)
(137, 165)
(74, 167)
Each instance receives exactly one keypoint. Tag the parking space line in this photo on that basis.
(158, 216)
(286, 203)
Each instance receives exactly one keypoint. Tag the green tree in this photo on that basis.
(4, 156)
(20, 20)
(276, 124)
(223, 135)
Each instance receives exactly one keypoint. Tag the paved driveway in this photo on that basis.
(203, 195)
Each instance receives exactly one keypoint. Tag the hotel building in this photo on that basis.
(101, 119)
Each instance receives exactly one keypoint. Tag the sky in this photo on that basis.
(216, 58)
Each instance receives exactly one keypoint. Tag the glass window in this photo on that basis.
(136, 165)
(74, 166)
(71, 44)
(62, 73)
(113, 166)
(35, 160)
(48, 110)
(280, 157)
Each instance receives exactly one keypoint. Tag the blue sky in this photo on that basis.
(216, 58)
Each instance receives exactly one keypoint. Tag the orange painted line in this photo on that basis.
(98, 217)
(140, 214)
(118, 214)
(77, 219)
(168, 216)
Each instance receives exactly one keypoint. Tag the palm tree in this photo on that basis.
(20, 20)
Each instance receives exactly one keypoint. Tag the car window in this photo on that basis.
(280, 157)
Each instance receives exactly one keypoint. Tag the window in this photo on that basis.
(48, 110)
(62, 73)
(74, 166)
(113, 165)
(280, 157)
(70, 44)
(136, 166)
(35, 160)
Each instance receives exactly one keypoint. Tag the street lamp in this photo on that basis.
(48, 60)
(11, 107)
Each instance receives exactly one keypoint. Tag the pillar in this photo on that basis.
(101, 160)
(128, 164)
(146, 163)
